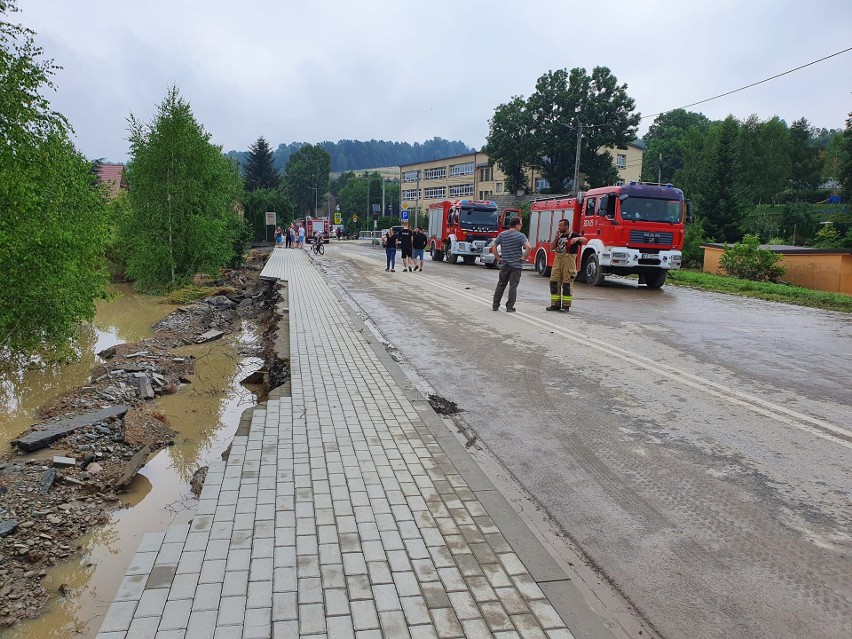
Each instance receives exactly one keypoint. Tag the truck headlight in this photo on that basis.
(618, 255)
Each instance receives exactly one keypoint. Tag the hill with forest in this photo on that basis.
(355, 155)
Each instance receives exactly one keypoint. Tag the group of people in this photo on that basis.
(411, 243)
(292, 236)
(514, 249)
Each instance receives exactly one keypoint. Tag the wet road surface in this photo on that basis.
(696, 447)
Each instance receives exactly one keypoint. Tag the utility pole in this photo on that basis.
(367, 216)
(660, 170)
(577, 159)
(384, 183)
(417, 205)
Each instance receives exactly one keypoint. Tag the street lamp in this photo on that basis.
(316, 198)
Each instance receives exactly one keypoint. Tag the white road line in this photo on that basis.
(802, 422)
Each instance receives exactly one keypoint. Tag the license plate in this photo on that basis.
(650, 256)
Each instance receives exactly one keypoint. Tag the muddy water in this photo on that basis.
(125, 318)
(206, 414)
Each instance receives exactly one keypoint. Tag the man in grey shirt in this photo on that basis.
(514, 248)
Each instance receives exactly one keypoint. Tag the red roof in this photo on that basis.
(113, 176)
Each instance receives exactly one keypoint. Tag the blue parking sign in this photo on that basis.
(404, 215)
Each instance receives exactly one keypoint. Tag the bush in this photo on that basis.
(693, 254)
(748, 261)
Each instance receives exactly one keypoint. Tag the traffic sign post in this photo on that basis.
(403, 215)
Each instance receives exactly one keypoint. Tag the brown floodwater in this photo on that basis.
(205, 413)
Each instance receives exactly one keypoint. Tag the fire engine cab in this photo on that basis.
(461, 228)
(631, 229)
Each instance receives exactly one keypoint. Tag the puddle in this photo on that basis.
(206, 414)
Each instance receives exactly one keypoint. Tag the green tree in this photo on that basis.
(764, 159)
(720, 197)
(561, 103)
(832, 155)
(541, 131)
(308, 169)
(259, 202)
(53, 221)
(259, 170)
(845, 173)
(665, 142)
(183, 194)
(354, 200)
(508, 142)
(804, 157)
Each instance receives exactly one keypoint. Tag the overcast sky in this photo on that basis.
(318, 70)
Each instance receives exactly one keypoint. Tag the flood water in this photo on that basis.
(205, 413)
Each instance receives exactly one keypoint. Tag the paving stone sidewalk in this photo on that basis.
(338, 515)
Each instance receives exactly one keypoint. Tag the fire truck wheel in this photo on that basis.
(452, 258)
(655, 279)
(541, 266)
(594, 275)
(437, 256)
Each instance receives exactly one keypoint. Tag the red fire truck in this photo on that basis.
(461, 228)
(631, 229)
(314, 224)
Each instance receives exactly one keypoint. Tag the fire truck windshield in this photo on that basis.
(478, 218)
(651, 210)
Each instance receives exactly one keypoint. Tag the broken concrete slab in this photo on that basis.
(132, 467)
(209, 336)
(7, 527)
(107, 353)
(62, 462)
(47, 480)
(137, 354)
(44, 434)
(143, 386)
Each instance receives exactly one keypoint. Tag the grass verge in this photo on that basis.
(763, 290)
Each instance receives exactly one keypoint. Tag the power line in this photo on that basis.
(748, 86)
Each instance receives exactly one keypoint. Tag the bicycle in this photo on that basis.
(318, 248)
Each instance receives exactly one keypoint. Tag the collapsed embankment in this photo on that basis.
(65, 475)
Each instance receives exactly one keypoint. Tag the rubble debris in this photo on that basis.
(60, 461)
(136, 462)
(209, 336)
(444, 406)
(42, 435)
(196, 484)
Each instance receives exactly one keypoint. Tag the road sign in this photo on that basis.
(405, 206)
(270, 218)
(404, 215)
(354, 218)
(338, 218)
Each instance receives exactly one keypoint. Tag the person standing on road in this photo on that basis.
(389, 242)
(514, 248)
(566, 245)
(279, 236)
(301, 241)
(288, 237)
(419, 243)
(406, 236)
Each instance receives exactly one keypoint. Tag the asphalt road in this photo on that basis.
(695, 446)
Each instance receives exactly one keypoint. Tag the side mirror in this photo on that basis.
(689, 212)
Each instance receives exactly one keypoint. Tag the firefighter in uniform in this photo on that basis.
(566, 245)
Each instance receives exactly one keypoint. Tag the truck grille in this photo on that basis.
(651, 237)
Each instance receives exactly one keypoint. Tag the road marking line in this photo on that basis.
(811, 425)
